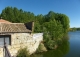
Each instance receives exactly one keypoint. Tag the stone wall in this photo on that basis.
(21, 40)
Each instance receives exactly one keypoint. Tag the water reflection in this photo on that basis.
(61, 51)
(69, 48)
(74, 44)
(37, 55)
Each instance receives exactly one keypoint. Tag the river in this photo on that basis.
(74, 44)
(70, 48)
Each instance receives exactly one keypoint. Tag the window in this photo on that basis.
(5, 39)
(1, 41)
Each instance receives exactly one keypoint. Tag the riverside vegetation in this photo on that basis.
(54, 25)
(74, 29)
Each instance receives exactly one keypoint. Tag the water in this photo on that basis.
(74, 44)
(69, 48)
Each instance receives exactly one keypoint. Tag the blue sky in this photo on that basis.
(69, 7)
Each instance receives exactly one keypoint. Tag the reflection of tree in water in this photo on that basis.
(62, 50)
(36, 55)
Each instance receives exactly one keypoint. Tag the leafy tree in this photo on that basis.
(53, 25)
(37, 27)
(49, 16)
(0, 15)
(64, 21)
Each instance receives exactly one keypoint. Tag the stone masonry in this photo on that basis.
(21, 40)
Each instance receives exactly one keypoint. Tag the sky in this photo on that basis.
(69, 7)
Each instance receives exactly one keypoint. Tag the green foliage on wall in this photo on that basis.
(22, 52)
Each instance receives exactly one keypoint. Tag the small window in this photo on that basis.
(1, 41)
(5, 39)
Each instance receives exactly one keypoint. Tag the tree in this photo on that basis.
(53, 25)
(64, 21)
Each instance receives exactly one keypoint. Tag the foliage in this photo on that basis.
(78, 29)
(74, 29)
(15, 15)
(61, 51)
(22, 52)
(37, 27)
(0, 16)
(41, 48)
(53, 25)
(54, 33)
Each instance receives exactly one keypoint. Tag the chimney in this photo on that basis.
(30, 26)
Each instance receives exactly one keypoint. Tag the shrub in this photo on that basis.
(22, 52)
(41, 48)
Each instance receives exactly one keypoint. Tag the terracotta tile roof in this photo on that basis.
(13, 27)
(4, 21)
(8, 27)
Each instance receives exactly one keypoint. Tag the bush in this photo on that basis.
(22, 52)
(50, 44)
(41, 48)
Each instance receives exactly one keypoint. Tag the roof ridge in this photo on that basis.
(4, 21)
(16, 23)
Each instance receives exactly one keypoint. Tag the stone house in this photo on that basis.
(18, 35)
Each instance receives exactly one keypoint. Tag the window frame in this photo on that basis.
(4, 36)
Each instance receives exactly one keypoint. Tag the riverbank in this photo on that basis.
(60, 51)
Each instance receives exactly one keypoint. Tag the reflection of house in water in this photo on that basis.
(18, 35)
